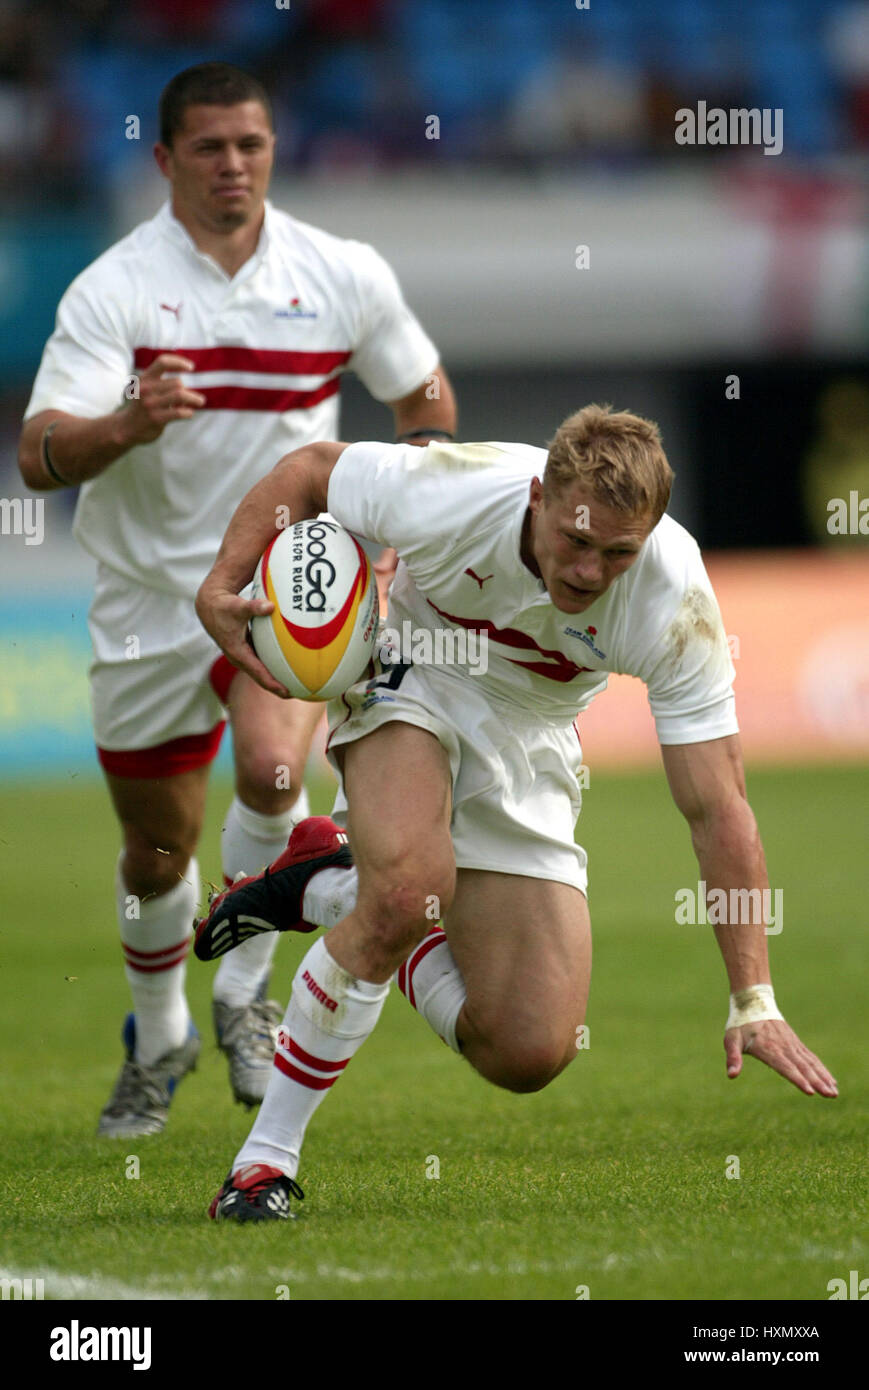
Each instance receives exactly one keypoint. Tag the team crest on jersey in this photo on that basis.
(296, 310)
(587, 637)
(374, 696)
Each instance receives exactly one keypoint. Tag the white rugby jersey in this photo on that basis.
(269, 347)
(454, 513)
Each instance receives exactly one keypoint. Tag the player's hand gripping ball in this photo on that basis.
(321, 635)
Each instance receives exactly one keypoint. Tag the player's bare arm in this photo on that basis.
(298, 484)
(708, 785)
(77, 449)
(427, 413)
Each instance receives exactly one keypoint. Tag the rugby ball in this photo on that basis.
(321, 635)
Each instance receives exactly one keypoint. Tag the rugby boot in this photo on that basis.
(140, 1102)
(256, 1193)
(272, 900)
(248, 1036)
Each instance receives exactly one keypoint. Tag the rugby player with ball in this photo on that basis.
(569, 563)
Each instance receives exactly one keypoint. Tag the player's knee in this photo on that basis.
(516, 1060)
(398, 926)
(268, 779)
(528, 1071)
(149, 868)
(402, 903)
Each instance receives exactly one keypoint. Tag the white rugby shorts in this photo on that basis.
(158, 683)
(516, 797)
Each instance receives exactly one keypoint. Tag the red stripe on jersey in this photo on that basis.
(316, 1062)
(560, 668)
(166, 759)
(244, 359)
(264, 398)
(314, 1083)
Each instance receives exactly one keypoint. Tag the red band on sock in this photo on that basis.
(434, 938)
(315, 1083)
(309, 1059)
(155, 955)
(150, 962)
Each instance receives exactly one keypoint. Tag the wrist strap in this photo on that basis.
(424, 434)
(46, 456)
(752, 1005)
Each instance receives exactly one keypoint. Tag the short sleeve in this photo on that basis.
(377, 491)
(393, 354)
(87, 361)
(686, 666)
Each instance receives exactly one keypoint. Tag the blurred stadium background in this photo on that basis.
(556, 130)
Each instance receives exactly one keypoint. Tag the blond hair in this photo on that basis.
(617, 456)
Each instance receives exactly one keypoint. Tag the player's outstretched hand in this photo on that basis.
(162, 398)
(774, 1042)
(225, 617)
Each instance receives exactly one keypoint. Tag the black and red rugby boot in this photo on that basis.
(256, 1193)
(272, 900)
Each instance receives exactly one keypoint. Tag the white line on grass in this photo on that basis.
(100, 1287)
(378, 1274)
(97, 1286)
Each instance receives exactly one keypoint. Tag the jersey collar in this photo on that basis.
(180, 235)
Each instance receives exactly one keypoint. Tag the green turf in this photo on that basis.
(614, 1177)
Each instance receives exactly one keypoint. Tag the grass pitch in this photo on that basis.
(613, 1178)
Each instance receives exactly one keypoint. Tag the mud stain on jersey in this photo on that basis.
(697, 620)
(447, 458)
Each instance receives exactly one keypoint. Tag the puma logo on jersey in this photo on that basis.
(173, 309)
(480, 581)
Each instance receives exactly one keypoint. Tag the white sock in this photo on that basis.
(328, 1018)
(330, 896)
(156, 942)
(249, 842)
(430, 980)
